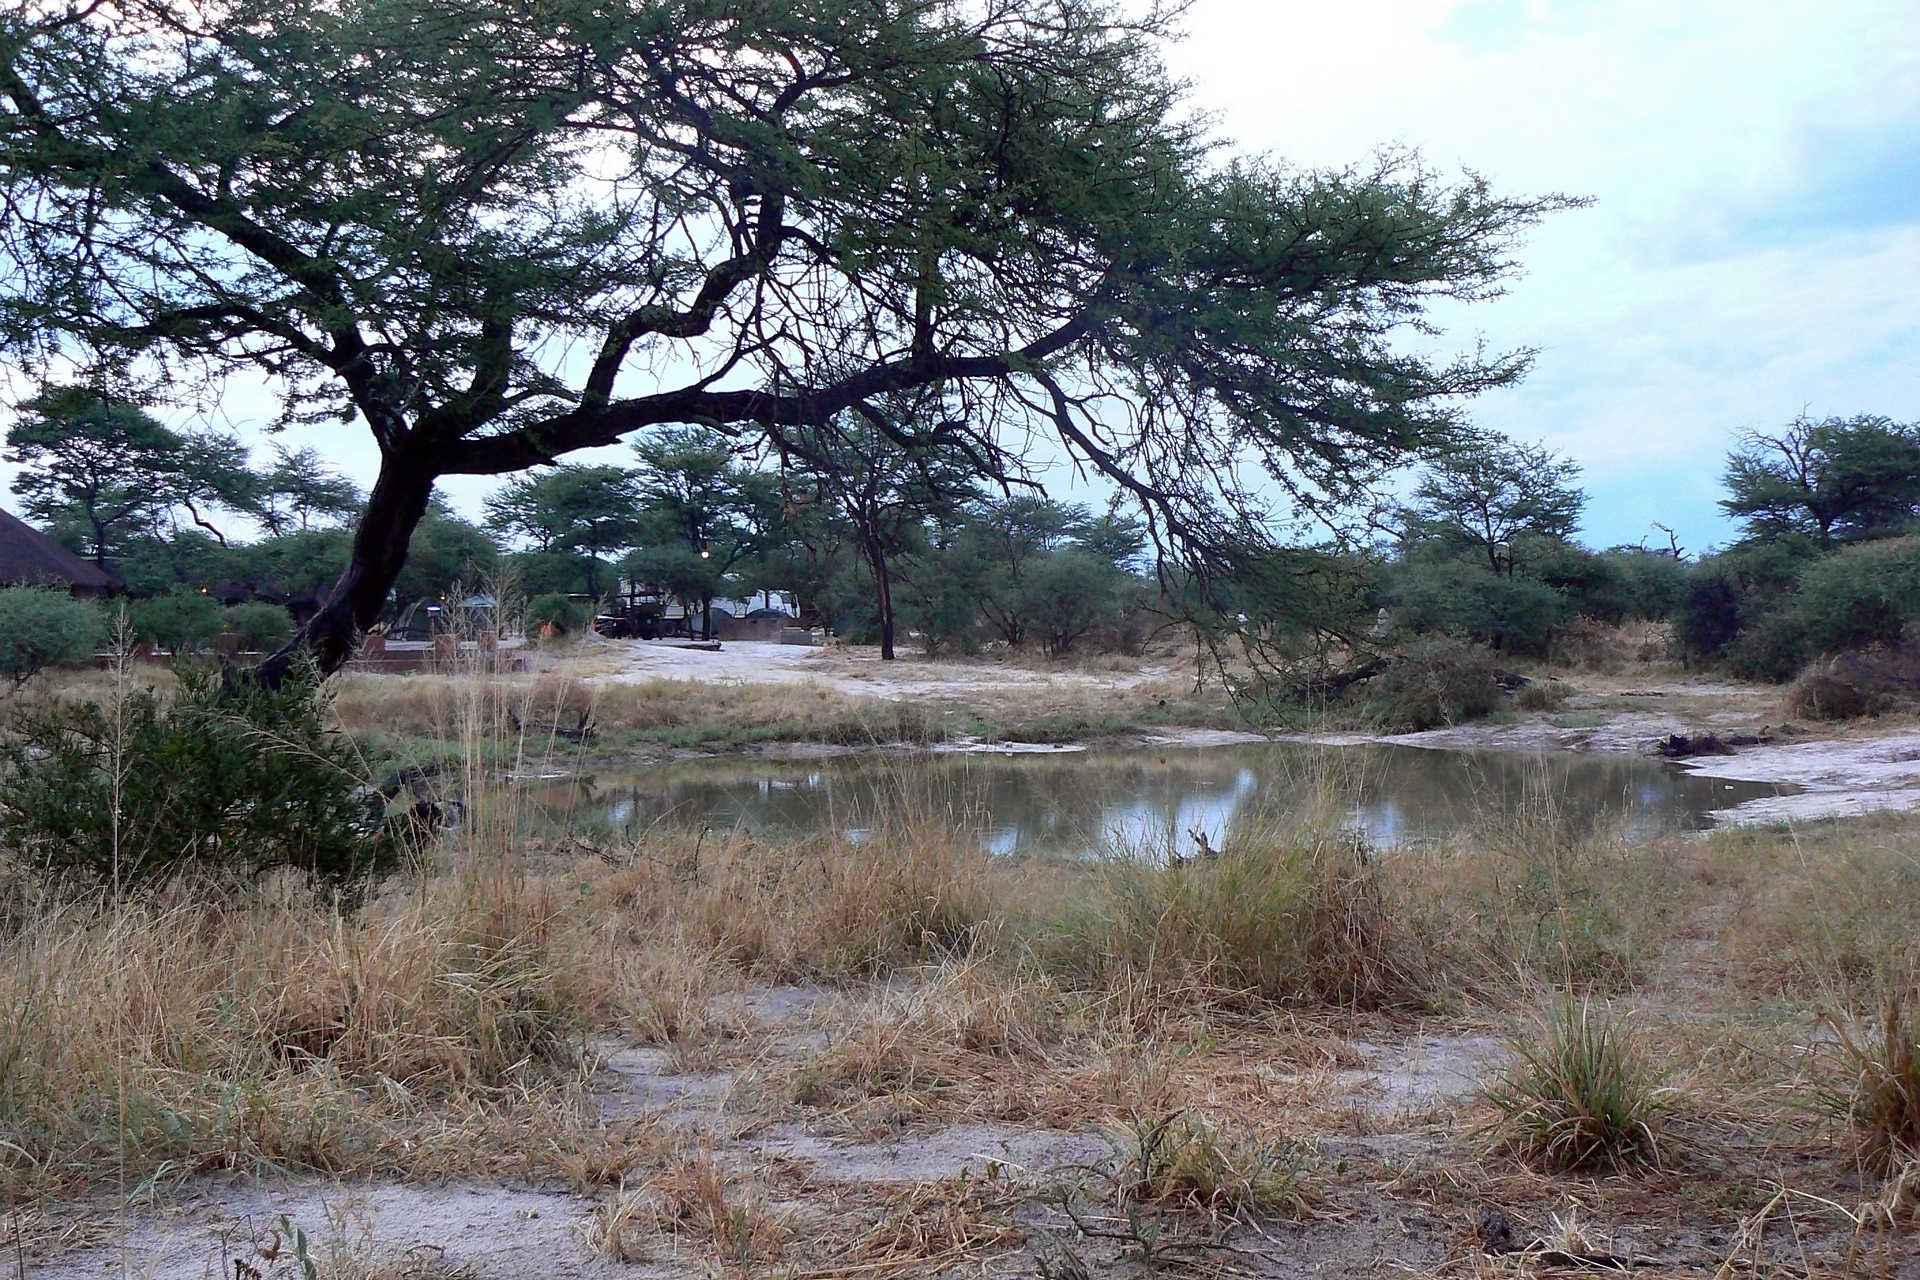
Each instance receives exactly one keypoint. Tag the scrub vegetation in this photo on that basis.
(1222, 1053)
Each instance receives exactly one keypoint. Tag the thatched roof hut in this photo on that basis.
(29, 557)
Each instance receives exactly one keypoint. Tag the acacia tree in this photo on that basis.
(110, 467)
(1489, 494)
(879, 489)
(702, 515)
(756, 214)
(1834, 480)
(300, 491)
(590, 510)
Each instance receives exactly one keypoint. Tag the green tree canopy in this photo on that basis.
(589, 510)
(89, 462)
(879, 490)
(703, 515)
(300, 492)
(42, 627)
(1835, 480)
(754, 215)
(1492, 496)
(108, 469)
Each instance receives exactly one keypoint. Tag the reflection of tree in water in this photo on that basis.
(1150, 801)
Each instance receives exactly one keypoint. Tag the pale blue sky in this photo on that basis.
(1754, 248)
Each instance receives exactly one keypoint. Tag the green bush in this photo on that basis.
(1860, 596)
(179, 623)
(262, 627)
(240, 780)
(1068, 593)
(41, 627)
(1463, 599)
(557, 611)
(1435, 684)
(1857, 598)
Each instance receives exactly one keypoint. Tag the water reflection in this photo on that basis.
(1083, 802)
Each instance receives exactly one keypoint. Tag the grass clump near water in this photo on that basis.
(1877, 1092)
(1578, 1094)
(1282, 913)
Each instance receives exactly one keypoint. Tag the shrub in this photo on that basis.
(1577, 1093)
(262, 627)
(557, 611)
(1462, 598)
(1436, 684)
(179, 623)
(1853, 684)
(1541, 695)
(1068, 593)
(41, 627)
(240, 780)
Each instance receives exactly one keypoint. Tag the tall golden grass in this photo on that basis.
(448, 1024)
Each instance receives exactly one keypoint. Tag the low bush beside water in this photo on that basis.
(230, 780)
(1435, 684)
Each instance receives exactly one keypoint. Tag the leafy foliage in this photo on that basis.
(180, 622)
(1496, 498)
(1436, 683)
(1835, 480)
(262, 627)
(238, 780)
(42, 627)
(555, 610)
(413, 215)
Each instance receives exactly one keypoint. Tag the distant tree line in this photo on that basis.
(1828, 560)
(877, 539)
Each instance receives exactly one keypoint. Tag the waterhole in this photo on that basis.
(1153, 801)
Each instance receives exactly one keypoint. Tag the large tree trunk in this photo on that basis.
(882, 598)
(394, 508)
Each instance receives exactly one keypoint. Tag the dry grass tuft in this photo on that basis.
(1879, 1091)
(692, 1199)
(1283, 914)
(1181, 1161)
(190, 1032)
(1578, 1093)
(823, 907)
(949, 1035)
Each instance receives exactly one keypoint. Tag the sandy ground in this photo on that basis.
(847, 668)
(1407, 1089)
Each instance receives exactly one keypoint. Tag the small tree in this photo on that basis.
(587, 510)
(42, 627)
(882, 489)
(92, 462)
(111, 469)
(1067, 594)
(300, 491)
(702, 516)
(1494, 497)
(179, 622)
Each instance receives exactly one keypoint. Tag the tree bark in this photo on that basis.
(394, 508)
(882, 597)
